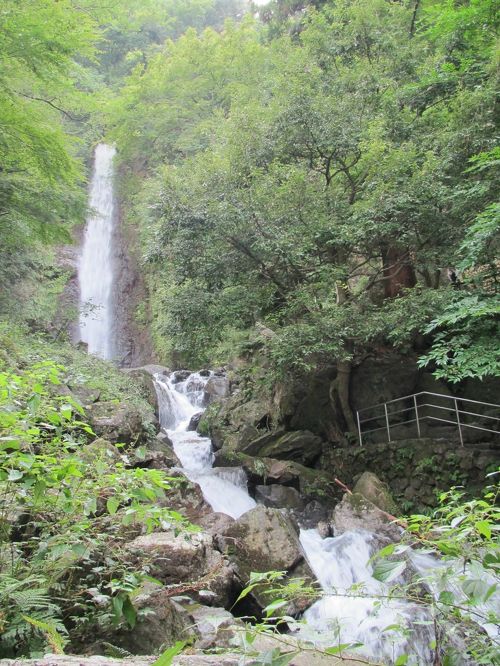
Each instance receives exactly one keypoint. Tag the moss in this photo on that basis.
(21, 349)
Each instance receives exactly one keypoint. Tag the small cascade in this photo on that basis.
(179, 399)
(95, 270)
(356, 607)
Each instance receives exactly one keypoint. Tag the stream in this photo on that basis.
(354, 607)
(338, 562)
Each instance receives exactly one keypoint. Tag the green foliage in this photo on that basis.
(314, 181)
(459, 584)
(59, 515)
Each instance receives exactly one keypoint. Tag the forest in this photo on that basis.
(304, 223)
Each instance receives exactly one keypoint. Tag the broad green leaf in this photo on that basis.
(112, 505)
(166, 657)
(386, 571)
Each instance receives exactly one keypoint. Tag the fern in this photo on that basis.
(50, 632)
(30, 619)
(115, 651)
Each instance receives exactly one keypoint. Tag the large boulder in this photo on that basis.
(215, 627)
(188, 561)
(217, 387)
(166, 622)
(194, 421)
(120, 423)
(264, 540)
(298, 445)
(375, 490)
(186, 497)
(355, 512)
(143, 380)
(312, 484)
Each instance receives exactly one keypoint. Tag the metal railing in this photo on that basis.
(415, 410)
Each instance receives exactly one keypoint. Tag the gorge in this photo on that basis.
(249, 359)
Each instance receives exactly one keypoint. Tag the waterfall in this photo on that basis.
(95, 270)
(355, 608)
(225, 490)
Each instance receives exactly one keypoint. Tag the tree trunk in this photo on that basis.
(340, 386)
(398, 270)
(339, 394)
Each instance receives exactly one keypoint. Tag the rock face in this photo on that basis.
(299, 445)
(194, 422)
(188, 560)
(279, 497)
(266, 540)
(375, 490)
(355, 512)
(119, 423)
(217, 387)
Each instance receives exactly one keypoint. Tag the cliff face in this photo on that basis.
(131, 326)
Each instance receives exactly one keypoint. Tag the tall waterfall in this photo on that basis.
(95, 270)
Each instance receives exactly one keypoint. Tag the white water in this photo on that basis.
(356, 608)
(95, 271)
(224, 489)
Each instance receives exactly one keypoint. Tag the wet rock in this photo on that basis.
(299, 445)
(164, 439)
(313, 513)
(263, 540)
(325, 529)
(161, 448)
(375, 490)
(217, 387)
(312, 484)
(356, 512)
(204, 373)
(279, 497)
(120, 423)
(194, 422)
(180, 376)
(186, 559)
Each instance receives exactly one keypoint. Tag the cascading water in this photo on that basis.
(225, 490)
(95, 270)
(356, 608)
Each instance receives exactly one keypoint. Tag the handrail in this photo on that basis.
(385, 415)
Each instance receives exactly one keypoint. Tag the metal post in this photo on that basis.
(416, 414)
(387, 421)
(458, 422)
(359, 430)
